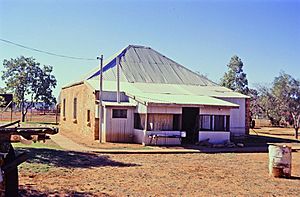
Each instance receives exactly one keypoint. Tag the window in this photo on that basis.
(88, 117)
(219, 123)
(64, 108)
(227, 123)
(75, 108)
(119, 113)
(206, 122)
(214, 122)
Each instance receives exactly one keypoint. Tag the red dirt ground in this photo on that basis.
(60, 172)
(33, 116)
(53, 172)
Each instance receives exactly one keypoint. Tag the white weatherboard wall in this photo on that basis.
(214, 111)
(214, 137)
(164, 110)
(237, 116)
(158, 109)
(119, 129)
(142, 137)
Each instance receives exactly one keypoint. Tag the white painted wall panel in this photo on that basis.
(162, 140)
(237, 116)
(138, 136)
(214, 137)
(215, 110)
(164, 110)
(119, 129)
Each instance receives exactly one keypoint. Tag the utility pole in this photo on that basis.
(118, 78)
(100, 96)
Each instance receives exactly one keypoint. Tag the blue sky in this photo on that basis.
(201, 35)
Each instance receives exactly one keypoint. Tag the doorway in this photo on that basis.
(190, 124)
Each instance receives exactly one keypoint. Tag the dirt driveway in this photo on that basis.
(59, 172)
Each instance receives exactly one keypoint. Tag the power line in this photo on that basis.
(46, 52)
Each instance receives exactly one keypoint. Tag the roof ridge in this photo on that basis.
(138, 46)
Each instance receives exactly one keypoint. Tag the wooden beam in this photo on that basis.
(12, 165)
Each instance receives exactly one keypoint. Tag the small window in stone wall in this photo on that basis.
(88, 118)
(75, 109)
(119, 113)
(64, 109)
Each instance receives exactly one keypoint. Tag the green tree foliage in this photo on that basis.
(281, 102)
(235, 78)
(2, 99)
(266, 102)
(286, 90)
(29, 81)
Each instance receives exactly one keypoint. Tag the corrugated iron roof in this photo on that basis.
(151, 98)
(145, 65)
(173, 89)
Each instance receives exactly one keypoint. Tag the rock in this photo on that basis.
(219, 145)
(240, 145)
(230, 145)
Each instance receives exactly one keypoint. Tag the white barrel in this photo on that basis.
(280, 160)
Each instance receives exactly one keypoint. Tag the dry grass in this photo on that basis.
(276, 131)
(158, 175)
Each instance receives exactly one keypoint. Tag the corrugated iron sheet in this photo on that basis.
(172, 89)
(183, 100)
(145, 65)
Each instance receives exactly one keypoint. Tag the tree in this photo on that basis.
(255, 108)
(235, 78)
(29, 81)
(267, 104)
(286, 90)
(281, 102)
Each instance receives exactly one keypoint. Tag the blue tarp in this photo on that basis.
(108, 66)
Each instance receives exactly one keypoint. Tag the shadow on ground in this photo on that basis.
(25, 191)
(69, 159)
(258, 140)
(252, 144)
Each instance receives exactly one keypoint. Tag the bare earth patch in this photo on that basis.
(79, 139)
(59, 172)
(287, 133)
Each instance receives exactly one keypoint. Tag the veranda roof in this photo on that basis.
(182, 100)
(169, 89)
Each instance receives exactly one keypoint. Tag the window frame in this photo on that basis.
(226, 122)
(210, 122)
(119, 115)
(220, 124)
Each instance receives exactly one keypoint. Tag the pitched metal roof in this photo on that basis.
(145, 65)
